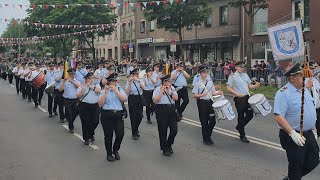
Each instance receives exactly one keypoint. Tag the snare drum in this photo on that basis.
(50, 88)
(218, 98)
(223, 110)
(260, 104)
(38, 81)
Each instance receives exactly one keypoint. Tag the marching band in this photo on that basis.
(97, 95)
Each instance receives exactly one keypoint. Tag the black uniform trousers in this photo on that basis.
(17, 84)
(182, 94)
(37, 94)
(245, 113)
(23, 88)
(28, 90)
(302, 160)
(147, 94)
(52, 104)
(4, 75)
(318, 122)
(10, 77)
(89, 116)
(60, 102)
(135, 112)
(71, 111)
(112, 121)
(166, 118)
(207, 117)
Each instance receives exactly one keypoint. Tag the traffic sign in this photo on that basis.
(130, 50)
(173, 42)
(173, 48)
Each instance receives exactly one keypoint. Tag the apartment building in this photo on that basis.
(217, 38)
(283, 11)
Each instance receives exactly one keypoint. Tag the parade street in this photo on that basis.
(34, 146)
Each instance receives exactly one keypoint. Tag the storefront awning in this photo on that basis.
(201, 41)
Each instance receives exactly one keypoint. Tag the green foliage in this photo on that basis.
(249, 5)
(176, 16)
(73, 15)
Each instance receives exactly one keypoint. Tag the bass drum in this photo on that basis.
(38, 81)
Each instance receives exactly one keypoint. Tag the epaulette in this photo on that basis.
(283, 88)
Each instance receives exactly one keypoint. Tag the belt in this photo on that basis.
(134, 95)
(148, 90)
(113, 111)
(206, 100)
(164, 105)
(70, 99)
(304, 132)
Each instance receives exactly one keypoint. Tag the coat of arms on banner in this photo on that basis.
(286, 40)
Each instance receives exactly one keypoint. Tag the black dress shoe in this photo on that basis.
(71, 130)
(55, 113)
(170, 150)
(86, 142)
(138, 134)
(244, 139)
(110, 158)
(39, 103)
(135, 137)
(166, 153)
(50, 115)
(29, 100)
(35, 106)
(207, 142)
(211, 141)
(92, 138)
(61, 121)
(116, 155)
(149, 121)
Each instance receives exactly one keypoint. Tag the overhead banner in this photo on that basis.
(286, 41)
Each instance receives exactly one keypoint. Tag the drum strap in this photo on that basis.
(203, 87)
(176, 78)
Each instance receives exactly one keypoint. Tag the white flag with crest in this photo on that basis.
(286, 40)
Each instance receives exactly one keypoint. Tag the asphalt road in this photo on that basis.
(34, 146)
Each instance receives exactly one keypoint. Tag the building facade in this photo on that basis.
(283, 11)
(217, 38)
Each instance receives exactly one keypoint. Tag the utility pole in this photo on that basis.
(130, 35)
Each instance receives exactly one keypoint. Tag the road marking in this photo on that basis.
(81, 138)
(42, 109)
(12, 85)
(236, 135)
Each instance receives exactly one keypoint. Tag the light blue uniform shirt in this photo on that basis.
(164, 98)
(287, 103)
(133, 88)
(50, 76)
(129, 70)
(148, 84)
(239, 82)
(112, 101)
(155, 76)
(180, 80)
(58, 74)
(198, 89)
(104, 72)
(91, 97)
(80, 73)
(197, 77)
(70, 91)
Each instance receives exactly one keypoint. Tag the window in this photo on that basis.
(260, 21)
(143, 26)
(151, 25)
(208, 22)
(223, 15)
(305, 7)
(258, 50)
(124, 30)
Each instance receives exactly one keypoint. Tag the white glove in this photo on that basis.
(315, 133)
(297, 138)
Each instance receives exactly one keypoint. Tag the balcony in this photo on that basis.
(260, 28)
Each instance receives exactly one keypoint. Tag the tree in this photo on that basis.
(14, 30)
(73, 15)
(251, 7)
(176, 16)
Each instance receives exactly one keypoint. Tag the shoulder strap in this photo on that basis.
(204, 85)
(176, 78)
(136, 87)
(168, 98)
(85, 95)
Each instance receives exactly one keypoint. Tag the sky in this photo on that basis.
(12, 11)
